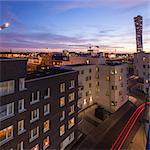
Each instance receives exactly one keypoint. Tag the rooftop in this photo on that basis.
(46, 72)
(78, 65)
(11, 58)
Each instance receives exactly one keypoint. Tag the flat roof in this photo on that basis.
(78, 65)
(11, 58)
(47, 72)
(114, 63)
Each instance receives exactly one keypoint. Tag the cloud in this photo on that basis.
(65, 5)
(37, 40)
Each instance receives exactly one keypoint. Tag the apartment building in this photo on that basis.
(88, 83)
(142, 70)
(113, 85)
(37, 110)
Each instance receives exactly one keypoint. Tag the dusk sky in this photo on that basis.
(56, 24)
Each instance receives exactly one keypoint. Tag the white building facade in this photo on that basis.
(88, 83)
(113, 91)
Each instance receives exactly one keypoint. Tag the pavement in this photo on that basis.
(103, 134)
(139, 140)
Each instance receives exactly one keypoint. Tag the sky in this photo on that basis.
(73, 24)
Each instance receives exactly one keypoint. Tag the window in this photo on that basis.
(62, 130)
(120, 78)
(90, 77)
(34, 115)
(71, 110)
(82, 71)
(21, 127)
(71, 84)
(35, 97)
(20, 146)
(46, 126)
(62, 87)
(7, 87)
(71, 123)
(97, 69)
(113, 103)
(97, 83)
(90, 70)
(113, 72)
(46, 109)
(6, 111)
(21, 84)
(90, 85)
(47, 93)
(71, 97)
(114, 87)
(36, 147)
(34, 133)
(107, 78)
(6, 134)
(62, 101)
(21, 106)
(62, 116)
(86, 79)
(46, 142)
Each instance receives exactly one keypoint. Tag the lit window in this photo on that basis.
(21, 127)
(21, 106)
(113, 103)
(6, 135)
(6, 111)
(120, 78)
(35, 97)
(71, 123)
(62, 130)
(34, 115)
(46, 109)
(113, 72)
(46, 126)
(71, 97)
(21, 84)
(62, 116)
(97, 69)
(20, 146)
(62, 87)
(71, 110)
(47, 93)
(114, 87)
(46, 142)
(108, 78)
(34, 133)
(62, 101)
(71, 84)
(36, 147)
(7, 87)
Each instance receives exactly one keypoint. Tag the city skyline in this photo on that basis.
(58, 24)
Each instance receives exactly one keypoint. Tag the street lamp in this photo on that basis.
(5, 25)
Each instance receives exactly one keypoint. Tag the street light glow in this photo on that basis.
(7, 24)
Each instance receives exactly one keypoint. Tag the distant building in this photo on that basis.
(113, 86)
(142, 70)
(138, 28)
(37, 110)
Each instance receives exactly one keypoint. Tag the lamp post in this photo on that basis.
(5, 25)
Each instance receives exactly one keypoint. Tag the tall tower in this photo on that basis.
(138, 27)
